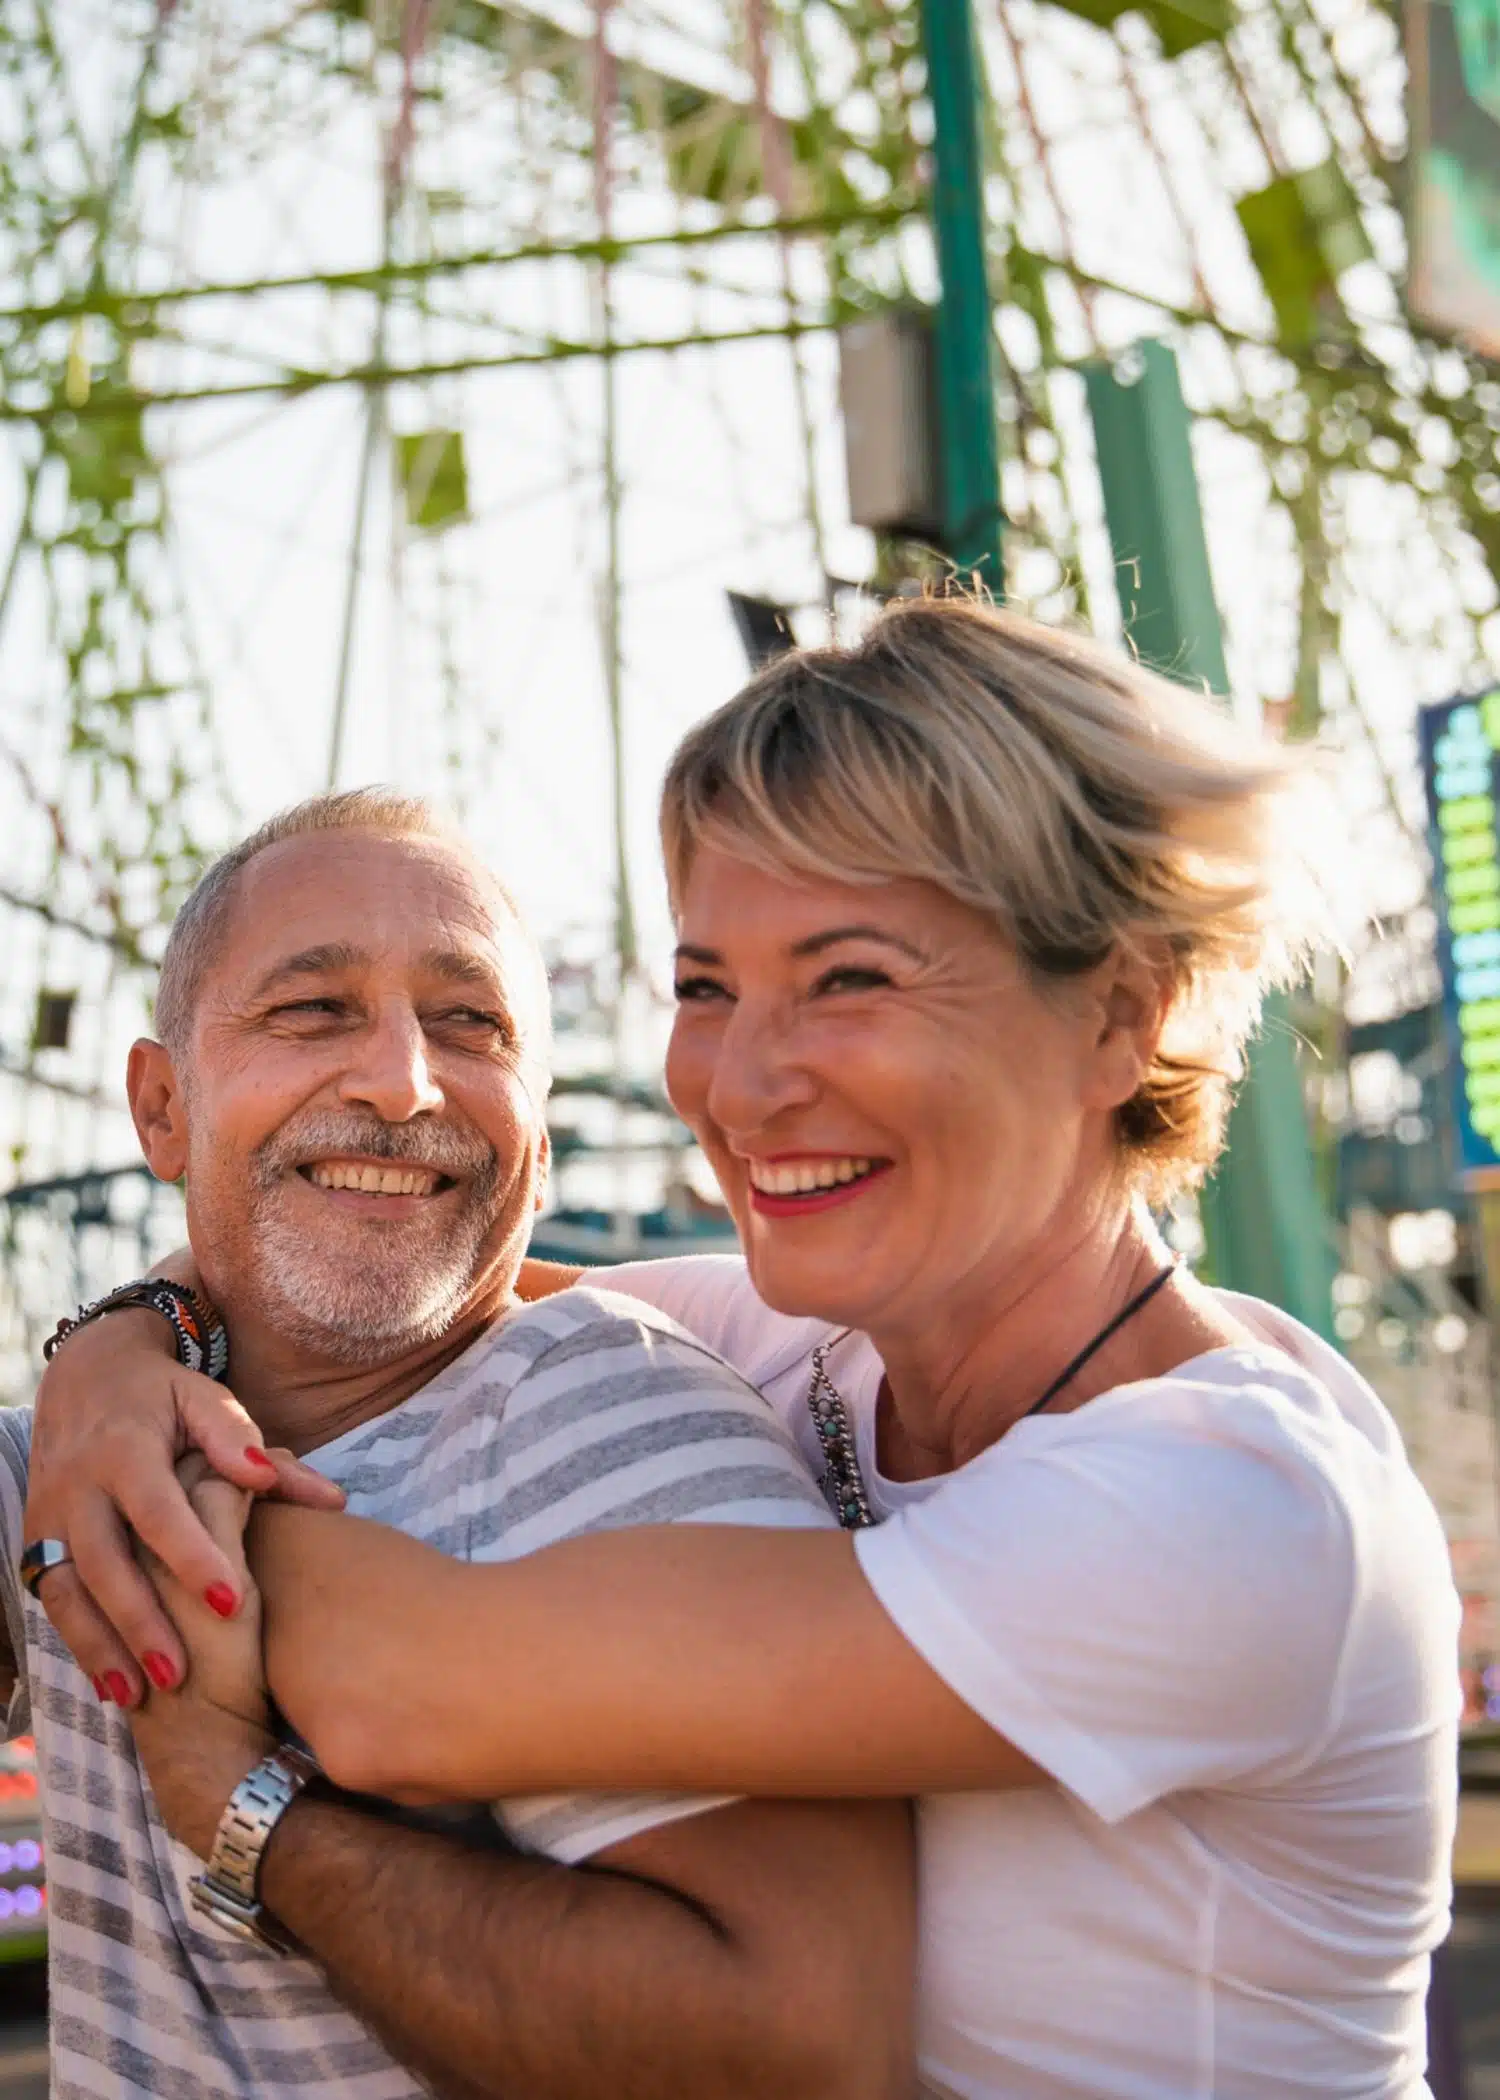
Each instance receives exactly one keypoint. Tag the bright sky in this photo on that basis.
(477, 670)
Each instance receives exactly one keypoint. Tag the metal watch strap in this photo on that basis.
(226, 1889)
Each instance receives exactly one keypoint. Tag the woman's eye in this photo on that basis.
(692, 990)
(849, 978)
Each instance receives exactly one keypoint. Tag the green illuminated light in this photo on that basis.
(1462, 784)
(1468, 813)
(1482, 880)
(1462, 847)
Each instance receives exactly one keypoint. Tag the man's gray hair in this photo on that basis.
(198, 930)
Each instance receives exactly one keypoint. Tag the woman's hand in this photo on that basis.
(225, 1665)
(114, 1413)
(197, 1744)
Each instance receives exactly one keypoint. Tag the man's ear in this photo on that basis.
(157, 1109)
(1134, 997)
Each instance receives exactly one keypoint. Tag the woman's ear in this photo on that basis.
(157, 1109)
(1134, 996)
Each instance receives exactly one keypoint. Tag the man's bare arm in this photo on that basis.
(765, 1949)
(759, 1949)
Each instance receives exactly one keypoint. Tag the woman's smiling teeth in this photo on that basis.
(802, 1177)
(372, 1181)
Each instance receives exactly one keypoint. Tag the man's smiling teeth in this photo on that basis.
(800, 1178)
(373, 1181)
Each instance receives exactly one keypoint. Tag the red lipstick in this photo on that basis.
(816, 1200)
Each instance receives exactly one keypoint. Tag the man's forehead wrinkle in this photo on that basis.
(446, 910)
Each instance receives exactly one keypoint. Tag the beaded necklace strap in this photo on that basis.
(843, 1483)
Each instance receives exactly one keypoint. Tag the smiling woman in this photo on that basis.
(1143, 1602)
(1072, 801)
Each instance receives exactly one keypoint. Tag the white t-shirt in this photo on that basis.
(1217, 1608)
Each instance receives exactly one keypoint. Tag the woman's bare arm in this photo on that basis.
(693, 1657)
(114, 1412)
(544, 1279)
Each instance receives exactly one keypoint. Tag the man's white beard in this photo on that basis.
(365, 1310)
(393, 1284)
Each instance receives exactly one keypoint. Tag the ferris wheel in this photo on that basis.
(397, 388)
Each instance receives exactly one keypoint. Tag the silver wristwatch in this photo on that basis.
(226, 1890)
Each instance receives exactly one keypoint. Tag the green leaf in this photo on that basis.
(1180, 25)
(433, 474)
(1303, 230)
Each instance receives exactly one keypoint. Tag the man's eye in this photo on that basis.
(693, 990)
(476, 1017)
(310, 1006)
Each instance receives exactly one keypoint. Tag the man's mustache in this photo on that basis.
(328, 1134)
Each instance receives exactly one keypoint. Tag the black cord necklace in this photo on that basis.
(843, 1481)
(1066, 1377)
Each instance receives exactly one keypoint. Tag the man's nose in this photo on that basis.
(757, 1072)
(389, 1071)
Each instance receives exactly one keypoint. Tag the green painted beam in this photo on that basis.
(1262, 1214)
(965, 327)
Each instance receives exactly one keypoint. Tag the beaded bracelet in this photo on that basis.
(201, 1336)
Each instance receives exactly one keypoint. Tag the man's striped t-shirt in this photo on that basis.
(584, 1413)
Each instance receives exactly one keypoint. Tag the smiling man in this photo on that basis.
(351, 1075)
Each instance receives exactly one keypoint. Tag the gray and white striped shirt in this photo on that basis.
(584, 1413)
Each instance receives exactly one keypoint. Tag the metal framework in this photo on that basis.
(377, 295)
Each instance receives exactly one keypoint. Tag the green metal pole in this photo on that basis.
(965, 363)
(1264, 1220)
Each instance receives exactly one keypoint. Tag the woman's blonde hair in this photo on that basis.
(1075, 799)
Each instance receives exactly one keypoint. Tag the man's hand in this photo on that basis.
(198, 1744)
(114, 1412)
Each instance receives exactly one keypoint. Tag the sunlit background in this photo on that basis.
(400, 389)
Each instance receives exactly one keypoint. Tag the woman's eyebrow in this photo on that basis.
(815, 943)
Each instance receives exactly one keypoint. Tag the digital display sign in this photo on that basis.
(1460, 742)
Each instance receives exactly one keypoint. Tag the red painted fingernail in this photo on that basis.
(119, 1690)
(220, 1597)
(101, 1689)
(159, 1668)
(257, 1457)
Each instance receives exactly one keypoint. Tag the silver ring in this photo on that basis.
(40, 1558)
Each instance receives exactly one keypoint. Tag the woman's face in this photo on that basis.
(894, 1111)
